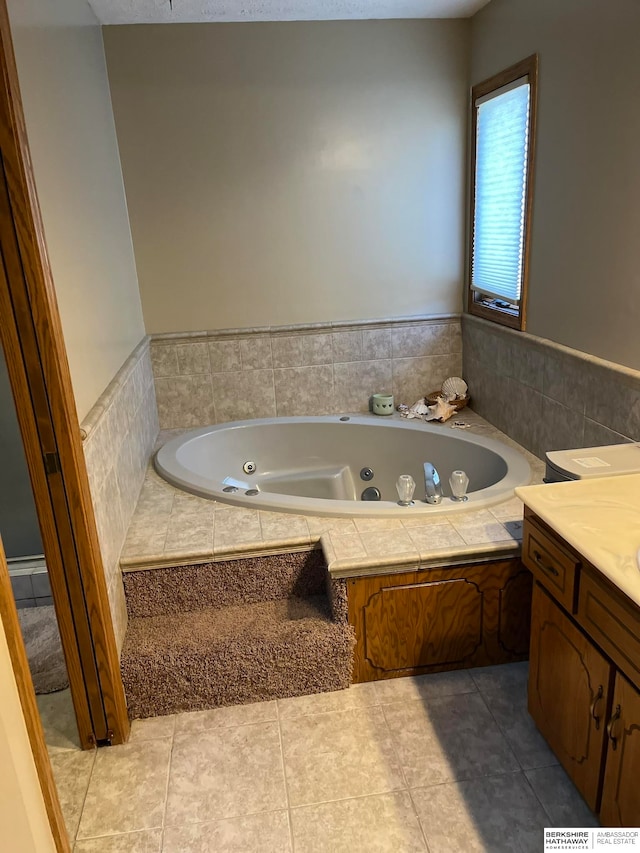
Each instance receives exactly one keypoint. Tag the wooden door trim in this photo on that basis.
(31, 334)
(11, 626)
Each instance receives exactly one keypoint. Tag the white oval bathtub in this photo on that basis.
(313, 465)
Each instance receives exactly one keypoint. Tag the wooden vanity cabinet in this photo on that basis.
(569, 692)
(584, 674)
(621, 792)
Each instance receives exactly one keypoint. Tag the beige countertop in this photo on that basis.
(171, 527)
(600, 519)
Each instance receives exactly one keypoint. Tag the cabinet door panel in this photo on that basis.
(569, 685)
(621, 792)
(431, 623)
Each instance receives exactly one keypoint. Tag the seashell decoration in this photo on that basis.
(454, 388)
(418, 410)
(441, 411)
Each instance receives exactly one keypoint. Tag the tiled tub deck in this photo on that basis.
(171, 528)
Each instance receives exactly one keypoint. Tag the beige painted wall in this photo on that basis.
(298, 172)
(23, 818)
(585, 279)
(63, 79)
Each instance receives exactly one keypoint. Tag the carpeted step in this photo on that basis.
(234, 655)
(224, 583)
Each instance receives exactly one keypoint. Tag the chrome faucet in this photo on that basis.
(433, 488)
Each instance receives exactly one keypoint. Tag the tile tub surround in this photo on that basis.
(396, 776)
(547, 396)
(212, 377)
(173, 528)
(119, 435)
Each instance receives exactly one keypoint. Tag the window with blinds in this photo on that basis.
(503, 124)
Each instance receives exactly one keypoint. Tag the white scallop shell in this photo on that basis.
(419, 408)
(454, 388)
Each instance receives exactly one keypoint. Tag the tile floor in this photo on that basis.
(441, 763)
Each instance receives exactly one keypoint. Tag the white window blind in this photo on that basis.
(502, 138)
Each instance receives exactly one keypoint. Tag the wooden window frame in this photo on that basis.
(525, 68)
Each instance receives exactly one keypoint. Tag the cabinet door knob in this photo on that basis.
(616, 716)
(544, 566)
(596, 699)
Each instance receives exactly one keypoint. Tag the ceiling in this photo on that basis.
(198, 11)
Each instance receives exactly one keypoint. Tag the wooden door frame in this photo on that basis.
(11, 626)
(31, 335)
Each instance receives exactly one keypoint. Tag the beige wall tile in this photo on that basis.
(317, 349)
(288, 351)
(193, 358)
(304, 390)
(224, 356)
(376, 344)
(421, 340)
(247, 394)
(164, 360)
(355, 383)
(415, 377)
(256, 353)
(185, 401)
(347, 346)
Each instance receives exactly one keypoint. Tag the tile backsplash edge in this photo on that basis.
(304, 328)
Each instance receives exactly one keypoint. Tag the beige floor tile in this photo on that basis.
(498, 814)
(385, 824)
(447, 738)
(508, 707)
(424, 686)
(357, 696)
(488, 678)
(338, 755)
(560, 798)
(232, 715)
(72, 771)
(225, 772)
(152, 727)
(147, 841)
(58, 720)
(127, 789)
(259, 833)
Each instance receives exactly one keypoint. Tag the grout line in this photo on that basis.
(500, 730)
(533, 791)
(84, 799)
(284, 777)
(166, 789)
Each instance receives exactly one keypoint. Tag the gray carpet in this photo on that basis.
(44, 649)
